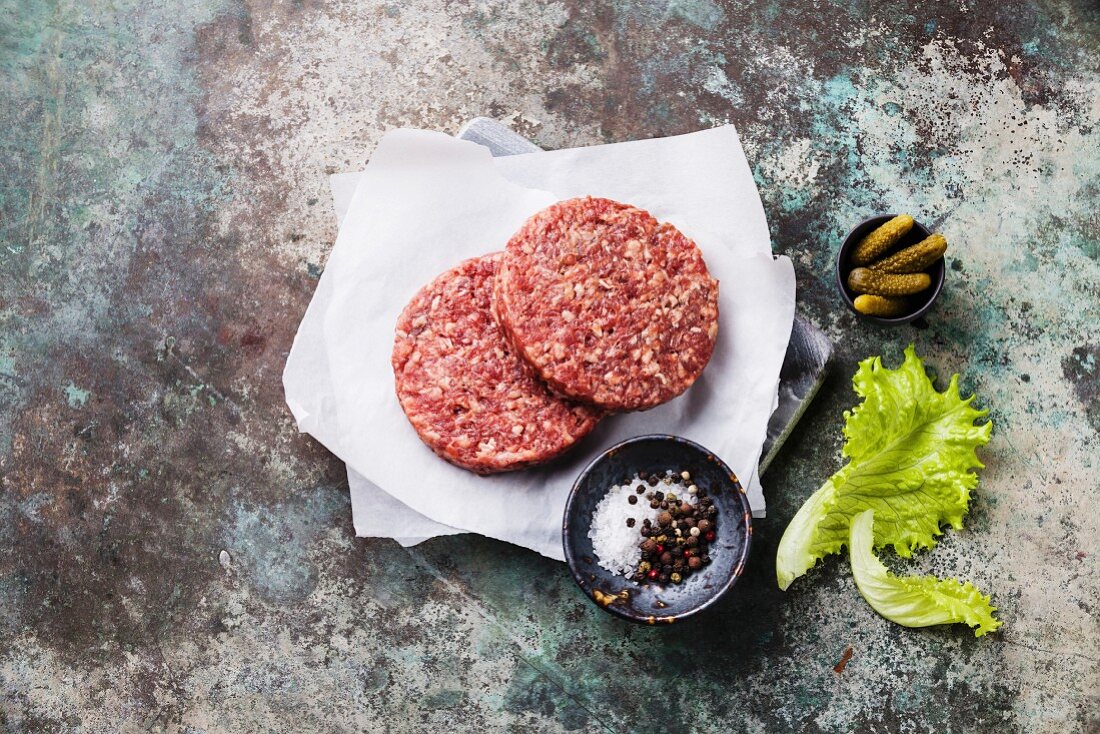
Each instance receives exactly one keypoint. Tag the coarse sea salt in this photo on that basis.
(615, 544)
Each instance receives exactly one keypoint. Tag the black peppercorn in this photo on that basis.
(669, 551)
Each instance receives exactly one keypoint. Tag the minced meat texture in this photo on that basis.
(469, 397)
(610, 306)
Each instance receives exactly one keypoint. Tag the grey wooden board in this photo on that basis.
(808, 352)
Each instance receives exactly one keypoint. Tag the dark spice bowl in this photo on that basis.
(651, 602)
(922, 301)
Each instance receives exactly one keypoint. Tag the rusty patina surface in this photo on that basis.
(175, 557)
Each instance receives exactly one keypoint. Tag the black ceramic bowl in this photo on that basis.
(921, 301)
(654, 603)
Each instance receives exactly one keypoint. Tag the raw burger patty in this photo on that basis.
(471, 399)
(610, 306)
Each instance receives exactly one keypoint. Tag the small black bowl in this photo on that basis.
(651, 602)
(921, 301)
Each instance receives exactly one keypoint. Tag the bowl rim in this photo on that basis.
(719, 592)
(939, 266)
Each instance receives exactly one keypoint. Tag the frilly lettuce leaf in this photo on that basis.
(913, 601)
(911, 453)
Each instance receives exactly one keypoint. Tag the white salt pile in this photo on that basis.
(615, 542)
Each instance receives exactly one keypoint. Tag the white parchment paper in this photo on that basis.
(427, 201)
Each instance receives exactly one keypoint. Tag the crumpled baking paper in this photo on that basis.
(427, 201)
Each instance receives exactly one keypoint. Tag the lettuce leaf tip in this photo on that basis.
(914, 601)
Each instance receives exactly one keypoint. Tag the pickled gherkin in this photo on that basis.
(865, 280)
(883, 306)
(913, 259)
(881, 239)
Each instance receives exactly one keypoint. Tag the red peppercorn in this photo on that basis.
(660, 548)
(652, 573)
(710, 536)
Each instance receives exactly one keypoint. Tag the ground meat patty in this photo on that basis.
(467, 394)
(610, 306)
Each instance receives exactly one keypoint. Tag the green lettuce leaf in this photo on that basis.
(913, 601)
(911, 453)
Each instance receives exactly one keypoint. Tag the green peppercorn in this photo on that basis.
(675, 577)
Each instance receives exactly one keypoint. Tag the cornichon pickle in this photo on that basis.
(865, 280)
(884, 306)
(913, 259)
(871, 247)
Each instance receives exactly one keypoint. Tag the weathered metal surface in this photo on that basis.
(176, 558)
